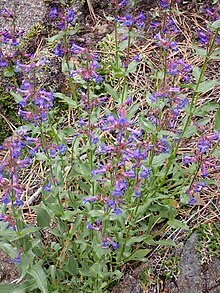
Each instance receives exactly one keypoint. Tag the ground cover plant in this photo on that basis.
(114, 165)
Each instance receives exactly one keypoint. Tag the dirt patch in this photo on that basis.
(8, 270)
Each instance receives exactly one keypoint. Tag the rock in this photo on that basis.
(28, 12)
(195, 277)
(129, 285)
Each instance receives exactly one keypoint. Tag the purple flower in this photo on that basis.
(53, 13)
(17, 259)
(58, 51)
(3, 63)
(75, 49)
(120, 188)
(62, 149)
(123, 3)
(6, 199)
(52, 152)
(48, 187)
(104, 243)
(144, 173)
(88, 199)
(70, 16)
(204, 171)
(187, 159)
(18, 202)
(192, 200)
(117, 211)
(164, 4)
(203, 37)
(203, 146)
(155, 24)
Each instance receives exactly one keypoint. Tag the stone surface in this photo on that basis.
(28, 12)
(194, 277)
(190, 270)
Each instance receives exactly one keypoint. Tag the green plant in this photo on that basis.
(208, 241)
(114, 171)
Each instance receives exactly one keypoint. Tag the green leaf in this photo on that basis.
(138, 255)
(166, 242)
(40, 277)
(65, 67)
(199, 51)
(190, 131)
(41, 157)
(205, 109)
(68, 100)
(7, 288)
(184, 198)
(217, 120)
(27, 286)
(118, 72)
(8, 72)
(132, 66)
(76, 224)
(56, 37)
(215, 55)
(71, 266)
(196, 72)
(216, 153)
(112, 92)
(28, 231)
(159, 160)
(216, 24)
(207, 85)
(147, 125)
(131, 112)
(43, 218)
(174, 223)
(17, 97)
(137, 239)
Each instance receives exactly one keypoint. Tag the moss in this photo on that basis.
(32, 39)
(208, 241)
(171, 267)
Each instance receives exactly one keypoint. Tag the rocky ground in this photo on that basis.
(193, 276)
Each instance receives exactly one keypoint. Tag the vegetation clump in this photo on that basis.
(132, 150)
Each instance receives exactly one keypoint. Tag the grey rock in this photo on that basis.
(195, 277)
(28, 12)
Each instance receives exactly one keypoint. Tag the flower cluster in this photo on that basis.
(194, 189)
(89, 66)
(54, 150)
(202, 157)
(106, 241)
(35, 103)
(131, 21)
(204, 36)
(68, 18)
(171, 102)
(180, 69)
(165, 33)
(131, 153)
(11, 223)
(12, 164)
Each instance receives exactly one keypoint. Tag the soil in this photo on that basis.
(193, 277)
(8, 270)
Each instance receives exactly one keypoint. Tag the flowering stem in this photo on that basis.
(116, 45)
(193, 104)
(131, 223)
